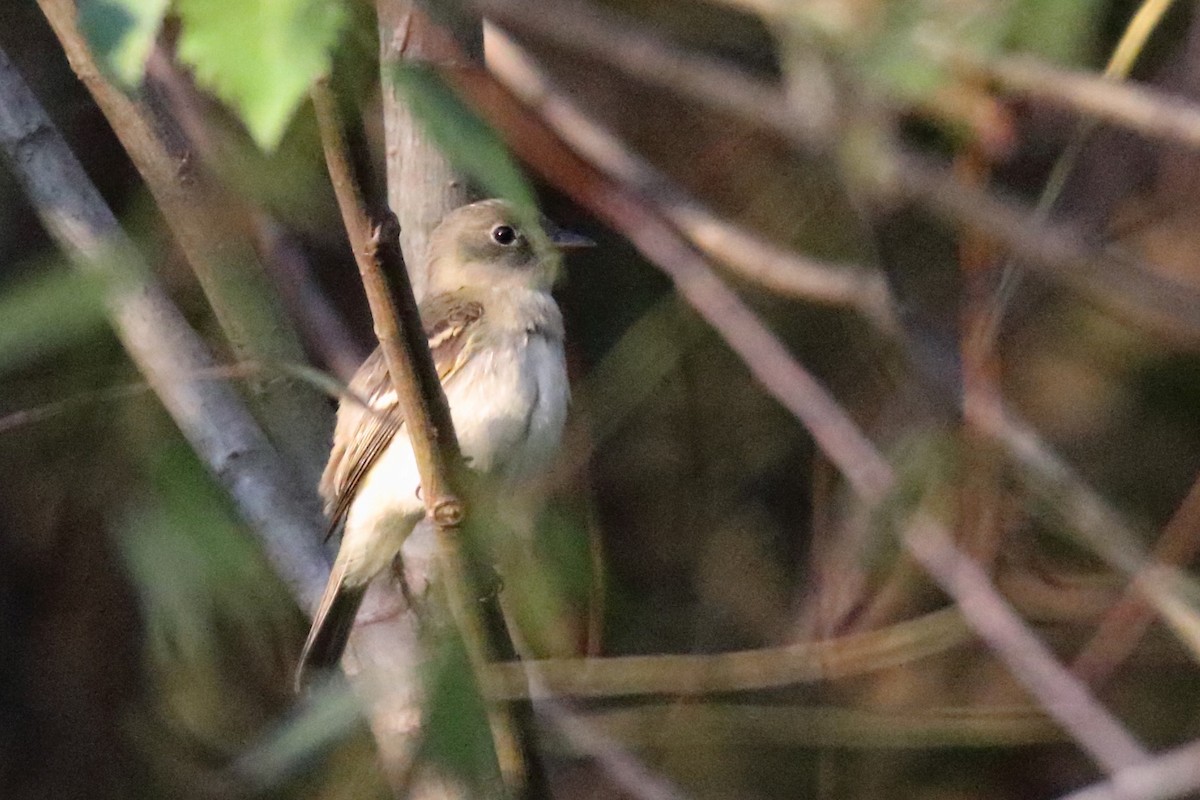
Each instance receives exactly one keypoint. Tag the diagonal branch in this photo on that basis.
(773, 367)
(745, 254)
(205, 222)
(1136, 290)
(159, 340)
(1172, 774)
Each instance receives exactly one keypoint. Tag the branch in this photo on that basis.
(600, 34)
(868, 474)
(322, 328)
(1063, 696)
(655, 728)
(1126, 622)
(166, 350)
(748, 670)
(209, 228)
(1135, 290)
(746, 254)
(1152, 113)
(1173, 774)
(422, 185)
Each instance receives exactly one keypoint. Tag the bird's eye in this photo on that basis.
(504, 234)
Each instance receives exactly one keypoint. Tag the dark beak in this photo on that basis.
(569, 240)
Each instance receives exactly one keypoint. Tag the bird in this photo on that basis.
(496, 337)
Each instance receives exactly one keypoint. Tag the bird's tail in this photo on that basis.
(331, 626)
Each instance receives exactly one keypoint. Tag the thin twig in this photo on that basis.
(773, 366)
(1137, 290)
(1152, 113)
(1137, 32)
(655, 729)
(600, 34)
(323, 330)
(740, 671)
(1126, 622)
(749, 256)
(1063, 696)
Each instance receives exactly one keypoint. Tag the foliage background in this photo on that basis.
(146, 645)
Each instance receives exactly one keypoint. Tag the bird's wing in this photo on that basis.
(364, 431)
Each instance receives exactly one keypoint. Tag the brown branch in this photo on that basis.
(1063, 696)
(772, 365)
(749, 670)
(323, 330)
(1126, 622)
(655, 729)
(1144, 110)
(747, 255)
(205, 222)
(1149, 112)
(1137, 291)
(603, 35)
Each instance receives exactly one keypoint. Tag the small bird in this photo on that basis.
(496, 336)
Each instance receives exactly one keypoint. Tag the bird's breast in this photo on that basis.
(509, 403)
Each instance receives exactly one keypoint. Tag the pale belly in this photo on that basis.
(508, 407)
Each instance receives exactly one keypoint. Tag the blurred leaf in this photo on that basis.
(260, 56)
(928, 465)
(468, 142)
(327, 715)
(898, 60)
(121, 34)
(1059, 30)
(48, 313)
(456, 736)
(196, 571)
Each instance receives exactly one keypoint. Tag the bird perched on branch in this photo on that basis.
(496, 336)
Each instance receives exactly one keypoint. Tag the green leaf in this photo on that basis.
(260, 56)
(46, 314)
(325, 716)
(121, 33)
(1063, 31)
(198, 575)
(467, 141)
(456, 735)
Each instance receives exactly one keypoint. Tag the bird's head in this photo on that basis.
(491, 244)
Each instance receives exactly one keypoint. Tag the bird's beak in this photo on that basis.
(569, 240)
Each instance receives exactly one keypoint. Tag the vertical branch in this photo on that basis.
(207, 225)
(422, 186)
